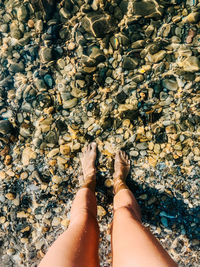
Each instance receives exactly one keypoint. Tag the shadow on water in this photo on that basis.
(159, 208)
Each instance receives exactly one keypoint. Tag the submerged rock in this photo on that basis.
(45, 54)
(129, 63)
(170, 84)
(147, 8)
(98, 23)
(6, 127)
(190, 64)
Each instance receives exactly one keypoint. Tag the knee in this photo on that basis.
(84, 216)
(127, 211)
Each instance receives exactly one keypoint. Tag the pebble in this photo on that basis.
(56, 179)
(45, 54)
(22, 13)
(164, 221)
(6, 127)
(108, 182)
(101, 211)
(170, 84)
(56, 221)
(133, 153)
(157, 57)
(193, 17)
(129, 63)
(190, 64)
(27, 155)
(65, 149)
(53, 152)
(70, 103)
(2, 175)
(71, 46)
(10, 196)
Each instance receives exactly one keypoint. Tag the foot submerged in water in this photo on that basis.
(121, 170)
(88, 166)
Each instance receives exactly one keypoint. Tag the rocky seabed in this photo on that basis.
(125, 74)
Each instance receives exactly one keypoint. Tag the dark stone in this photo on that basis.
(130, 114)
(147, 9)
(51, 138)
(161, 136)
(129, 63)
(48, 80)
(47, 6)
(17, 67)
(96, 56)
(97, 23)
(121, 97)
(61, 125)
(6, 127)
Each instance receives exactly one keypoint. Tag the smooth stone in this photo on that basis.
(53, 152)
(190, 64)
(89, 69)
(56, 179)
(65, 149)
(164, 221)
(10, 196)
(56, 221)
(121, 97)
(133, 153)
(142, 146)
(97, 54)
(129, 63)
(48, 80)
(138, 78)
(45, 54)
(17, 34)
(22, 13)
(149, 30)
(17, 67)
(170, 84)
(71, 46)
(147, 8)
(108, 183)
(39, 26)
(98, 23)
(193, 17)
(157, 57)
(166, 30)
(4, 28)
(27, 155)
(70, 103)
(6, 127)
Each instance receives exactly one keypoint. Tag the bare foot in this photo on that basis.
(122, 168)
(88, 165)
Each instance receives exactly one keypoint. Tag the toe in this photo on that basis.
(88, 148)
(85, 149)
(123, 155)
(117, 155)
(93, 146)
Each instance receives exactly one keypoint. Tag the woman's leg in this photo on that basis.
(78, 245)
(132, 243)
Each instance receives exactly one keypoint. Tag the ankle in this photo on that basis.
(119, 176)
(90, 182)
(118, 185)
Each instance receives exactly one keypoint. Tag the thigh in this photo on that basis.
(134, 245)
(78, 246)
